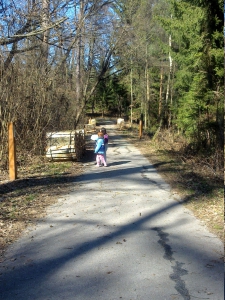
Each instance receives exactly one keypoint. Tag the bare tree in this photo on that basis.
(52, 59)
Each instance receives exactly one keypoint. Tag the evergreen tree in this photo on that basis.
(198, 53)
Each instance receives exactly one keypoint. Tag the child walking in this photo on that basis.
(100, 150)
(106, 140)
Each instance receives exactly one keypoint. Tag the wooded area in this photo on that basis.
(162, 60)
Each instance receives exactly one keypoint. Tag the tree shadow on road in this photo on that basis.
(28, 275)
(117, 163)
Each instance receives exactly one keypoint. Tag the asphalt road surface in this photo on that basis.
(119, 234)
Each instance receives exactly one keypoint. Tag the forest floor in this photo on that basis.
(41, 182)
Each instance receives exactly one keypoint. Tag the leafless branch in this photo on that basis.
(22, 33)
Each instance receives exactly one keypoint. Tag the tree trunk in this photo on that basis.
(160, 94)
(45, 38)
(131, 95)
(147, 106)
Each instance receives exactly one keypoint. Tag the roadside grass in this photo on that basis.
(42, 166)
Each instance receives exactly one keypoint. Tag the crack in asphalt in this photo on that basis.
(178, 271)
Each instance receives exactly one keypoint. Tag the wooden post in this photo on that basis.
(12, 153)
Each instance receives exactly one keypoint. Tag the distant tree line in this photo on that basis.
(160, 59)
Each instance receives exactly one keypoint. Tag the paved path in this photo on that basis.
(119, 234)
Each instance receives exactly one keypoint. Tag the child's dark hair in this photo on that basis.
(103, 130)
